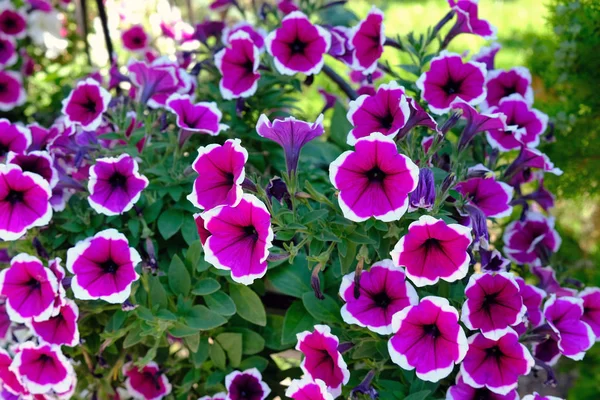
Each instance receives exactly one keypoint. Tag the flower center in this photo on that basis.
(452, 86)
(153, 377)
(9, 24)
(3, 148)
(2, 46)
(509, 90)
(387, 121)
(137, 40)
(117, 180)
(250, 231)
(3, 87)
(14, 197)
(431, 330)
(44, 358)
(382, 300)
(109, 266)
(297, 46)
(33, 283)
(90, 106)
(493, 352)
(375, 174)
(248, 66)
(489, 300)
(482, 394)
(431, 244)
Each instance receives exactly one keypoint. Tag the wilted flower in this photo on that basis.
(476, 122)
(468, 21)
(548, 282)
(146, 383)
(417, 117)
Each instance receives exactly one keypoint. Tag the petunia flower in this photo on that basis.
(152, 80)
(591, 309)
(367, 39)
(103, 267)
(298, 45)
(246, 385)
(495, 364)
(291, 134)
(533, 297)
(547, 351)
(8, 51)
(449, 78)
(528, 124)
(374, 180)
(532, 239)
(202, 231)
(462, 391)
(541, 195)
(428, 338)
(537, 396)
(37, 162)
(220, 175)
(12, 91)
(146, 383)
(493, 304)
(238, 64)
(468, 21)
(256, 35)
(520, 171)
(13, 22)
(501, 84)
(487, 55)
(383, 291)
(287, 6)
(135, 38)
(29, 288)
(24, 202)
(330, 99)
(340, 47)
(424, 194)
(240, 238)
(184, 83)
(31, 359)
(15, 138)
(60, 329)
(85, 104)
(322, 360)
(357, 76)
(115, 185)
(308, 389)
(548, 281)
(490, 196)
(203, 117)
(476, 122)
(417, 117)
(9, 381)
(387, 111)
(565, 317)
(433, 250)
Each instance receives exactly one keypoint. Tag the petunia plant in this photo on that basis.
(190, 227)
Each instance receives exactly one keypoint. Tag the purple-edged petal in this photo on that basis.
(146, 383)
(462, 391)
(490, 196)
(564, 315)
(238, 64)
(203, 117)
(501, 84)
(591, 309)
(308, 389)
(85, 104)
(367, 39)
(528, 240)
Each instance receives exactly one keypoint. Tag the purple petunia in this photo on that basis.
(565, 317)
(135, 38)
(449, 78)
(501, 84)
(374, 180)
(548, 281)
(12, 22)
(256, 35)
(591, 308)
(60, 329)
(537, 396)
(462, 391)
(146, 383)
(424, 194)
(532, 239)
(246, 385)
(37, 162)
(103, 267)
(322, 360)
(298, 45)
(240, 238)
(15, 138)
(495, 364)
(238, 64)
(115, 185)
(387, 111)
(428, 338)
(202, 117)
(220, 175)
(547, 351)
(433, 250)
(308, 389)
(487, 55)
(476, 122)
(383, 291)
(533, 298)
(8, 51)
(493, 304)
(468, 21)
(9, 381)
(490, 196)
(367, 39)
(12, 92)
(85, 104)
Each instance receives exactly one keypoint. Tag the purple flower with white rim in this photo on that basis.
(8, 51)
(12, 22)
(256, 35)
(115, 184)
(487, 55)
(591, 309)
(85, 104)
(12, 91)
(238, 64)
(246, 385)
(433, 250)
(387, 111)
(501, 84)
(240, 238)
(565, 317)
(493, 304)
(135, 38)
(9, 380)
(428, 338)
(546, 351)
(216, 396)
(146, 383)
(383, 292)
(528, 124)
(340, 44)
(374, 180)
(24, 202)
(291, 134)
(29, 288)
(308, 389)
(530, 240)
(103, 267)
(537, 396)
(361, 77)
(15, 138)
(298, 45)
(476, 122)
(59, 272)
(367, 39)
(36, 162)
(322, 360)
(486, 358)
(468, 21)
(449, 78)
(60, 329)
(202, 117)
(220, 175)
(184, 84)
(533, 297)
(30, 359)
(548, 282)
(490, 196)
(462, 391)
(152, 80)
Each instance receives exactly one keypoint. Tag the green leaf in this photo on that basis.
(232, 344)
(133, 337)
(170, 222)
(151, 212)
(192, 342)
(296, 320)
(326, 310)
(201, 354)
(204, 319)
(252, 342)
(220, 303)
(260, 363)
(158, 295)
(217, 355)
(292, 280)
(194, 254)
(272, 333)
(134, 227)
(206, 286)
(248, 304)
(179, 277)
(180, 330)
(116, 321)
(314, 215)
(338, 131)
(189, 231)
(422, 395)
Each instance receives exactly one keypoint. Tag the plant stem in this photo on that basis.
(104, 21)
(340, 82)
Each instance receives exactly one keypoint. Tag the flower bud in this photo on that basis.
(424, 195)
